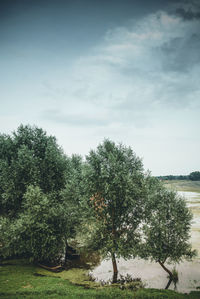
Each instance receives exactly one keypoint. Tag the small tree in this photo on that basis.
(194, 176)
(115, 185)
(167, 227)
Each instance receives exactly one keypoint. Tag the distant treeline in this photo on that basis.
(193, 176)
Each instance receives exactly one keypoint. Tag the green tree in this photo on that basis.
(73, 195)
(167, 228)
(37, 202)
(194, 176)
(28, 157)
(39, 231)
(114, 180)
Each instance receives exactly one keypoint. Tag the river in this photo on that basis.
(151, 273)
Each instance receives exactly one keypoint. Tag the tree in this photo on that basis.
(167, 228)
(114, 181)
(39, 230)
(194, 176)
(73, 195)
(29, 157)
(36, 218)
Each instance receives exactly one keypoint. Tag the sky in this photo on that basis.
(86, 70)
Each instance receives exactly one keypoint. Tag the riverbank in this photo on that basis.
(191, 191)
(183, 185)
(19, 279)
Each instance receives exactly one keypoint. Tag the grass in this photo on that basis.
(19, 279)
(183, 185)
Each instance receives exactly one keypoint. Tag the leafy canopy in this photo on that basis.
(167, 227)
(115, 186)
(37, 203)
(29, 157)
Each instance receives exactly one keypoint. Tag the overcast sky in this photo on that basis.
(85, 70)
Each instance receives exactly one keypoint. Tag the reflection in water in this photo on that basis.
(151, 273)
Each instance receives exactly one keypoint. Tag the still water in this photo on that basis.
(151, 273)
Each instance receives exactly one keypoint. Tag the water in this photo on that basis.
(193, 202)
(151, 273)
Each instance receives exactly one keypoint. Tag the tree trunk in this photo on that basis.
(168, 284)
(115, 271)
(66, 245)
(114, 263)
(169, 272)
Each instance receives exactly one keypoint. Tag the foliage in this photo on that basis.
(167, 227)
(194, 176)
(39, 231)
(125, 283)
(174, 277)
(173, 177)
(73, 193)
(45, 198)
(28, 157)
(37, 217)
(115, 185)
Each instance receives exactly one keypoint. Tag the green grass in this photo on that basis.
(21, 280)
(179, 185)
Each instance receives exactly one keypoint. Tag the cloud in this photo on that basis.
(188, 15)
(134, 73)
(181, 53)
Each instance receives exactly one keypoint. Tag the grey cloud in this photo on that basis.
(161, 74)
(188, 15)
(181, 54)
